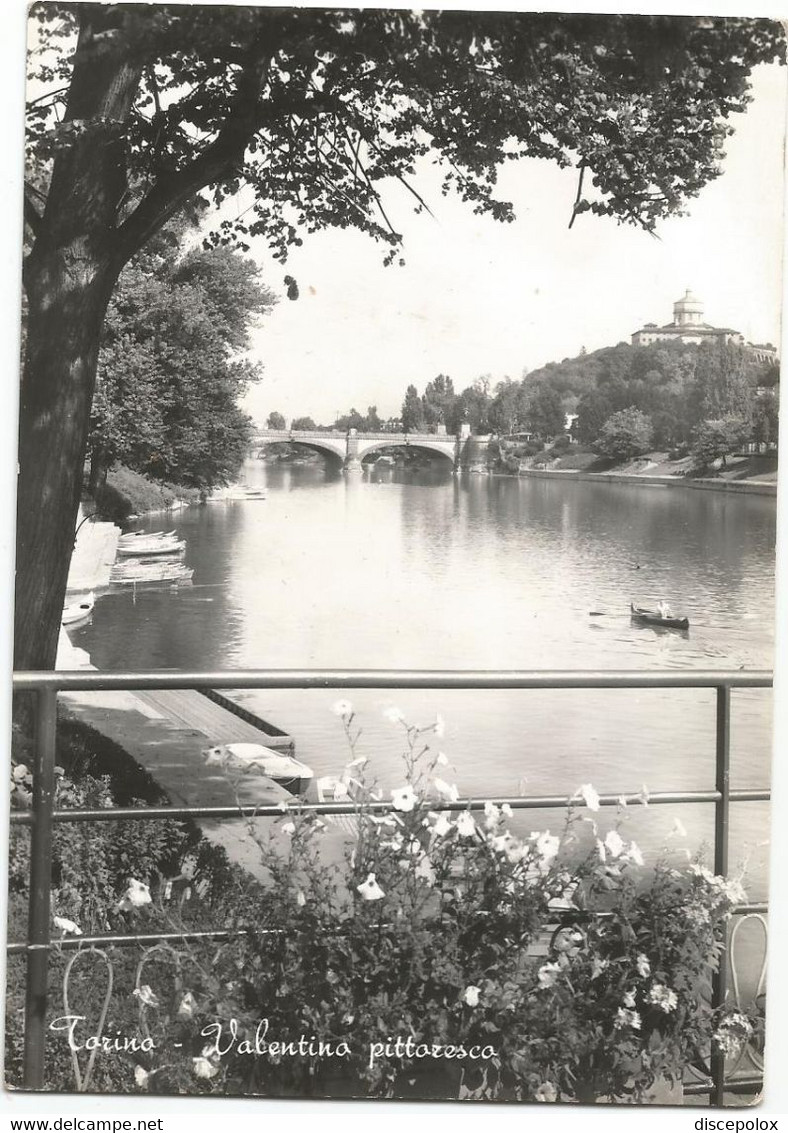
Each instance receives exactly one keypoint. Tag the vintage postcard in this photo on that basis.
(395, 555)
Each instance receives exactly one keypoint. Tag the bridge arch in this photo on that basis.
(441, 448)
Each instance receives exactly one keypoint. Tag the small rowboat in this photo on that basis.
(132, 536)
(151, 547)
(654, 618)
(76, 611)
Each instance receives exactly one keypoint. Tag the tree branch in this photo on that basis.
(172, 189)
(579, 195)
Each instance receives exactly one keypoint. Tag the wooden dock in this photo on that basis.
(166, 732)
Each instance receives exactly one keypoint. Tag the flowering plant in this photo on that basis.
(454, 953)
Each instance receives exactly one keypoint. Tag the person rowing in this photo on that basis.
(664, 610)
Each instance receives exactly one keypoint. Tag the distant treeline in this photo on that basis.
(620, 400)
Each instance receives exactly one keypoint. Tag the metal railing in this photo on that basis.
(43, 815)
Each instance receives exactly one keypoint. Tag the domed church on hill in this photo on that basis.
(688, 326)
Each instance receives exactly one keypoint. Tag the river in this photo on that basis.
(397, 569)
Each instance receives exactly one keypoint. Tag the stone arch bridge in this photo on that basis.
(351, 447)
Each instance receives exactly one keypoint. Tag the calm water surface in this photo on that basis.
(400, 570)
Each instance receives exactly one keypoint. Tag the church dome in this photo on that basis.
(688, 309)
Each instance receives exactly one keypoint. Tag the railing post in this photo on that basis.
(721, 832)
(38, 933)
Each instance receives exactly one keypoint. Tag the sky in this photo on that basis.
(477, 297)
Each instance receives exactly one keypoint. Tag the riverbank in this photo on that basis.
(126, 494)
(748, 474)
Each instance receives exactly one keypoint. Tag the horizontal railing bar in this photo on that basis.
(536, 802)
(732, 1086)
(390, 679)
(129, 939)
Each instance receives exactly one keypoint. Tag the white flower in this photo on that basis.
(546, 1092)
(187, 1006)
(614, 843)
(492, 815)
(547, 846)
(370, 890)
(643, 965)
(644, 795)
(622, 800)
(288, 828)
(634, 854)
(466, 827)
(663, 997)
(404, 798)
(20, 772)
(146, 995)
(439, 726)
(442, 759)
(393, 714)
(204, 1068)
(629, 999)
(471, 995)
(548, 974)
(590, 796)
(442, 826)
(342, 708)
(598, 967)
(501, 842)
(65, 925)
(141, 1076)
(282, 805)
(136, 895)
(627, 1018)
(506, 811)
(300, 898)
(446, 790)
(601, 851)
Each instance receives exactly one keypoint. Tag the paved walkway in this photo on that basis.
(166, 732)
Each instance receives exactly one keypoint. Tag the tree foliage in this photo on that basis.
(169, 375)
(718, 438)
(625, 434)
(276, 420)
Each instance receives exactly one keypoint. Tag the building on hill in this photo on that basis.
(688, 326)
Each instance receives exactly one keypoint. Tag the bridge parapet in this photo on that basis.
(352, 446)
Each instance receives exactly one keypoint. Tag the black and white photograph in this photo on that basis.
(396, 516)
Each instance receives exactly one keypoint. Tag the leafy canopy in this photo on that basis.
(316, 109)
(170, 374)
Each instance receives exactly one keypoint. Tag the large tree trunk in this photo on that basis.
(65, 314)
(69, 276)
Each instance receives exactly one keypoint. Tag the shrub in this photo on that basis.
(569, 972)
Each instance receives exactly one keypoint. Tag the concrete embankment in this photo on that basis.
(741, 487)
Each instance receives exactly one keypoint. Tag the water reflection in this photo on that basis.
(392, 569)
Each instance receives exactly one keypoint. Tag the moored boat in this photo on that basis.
(133, 536)
(75, 611)
(151, 547)
(654, 618)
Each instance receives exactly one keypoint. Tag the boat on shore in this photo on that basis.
(288, 772)
(653, 618)
(75, 611)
